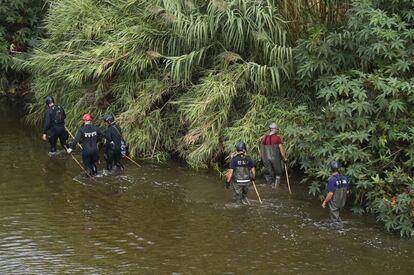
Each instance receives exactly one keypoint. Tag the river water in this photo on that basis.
(168, 219)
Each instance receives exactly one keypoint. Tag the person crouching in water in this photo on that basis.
(337, 190)
(240, 174)
(88, 135)
(114, 140)
(272, 153)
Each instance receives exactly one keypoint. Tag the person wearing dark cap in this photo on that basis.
(336, 192)
(240, 174)
(54, 124)
(272, 153)
(88, 135)
(114, 144)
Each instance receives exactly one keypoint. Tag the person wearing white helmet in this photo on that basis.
(272, 153)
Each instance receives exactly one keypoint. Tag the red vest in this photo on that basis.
(272, 139)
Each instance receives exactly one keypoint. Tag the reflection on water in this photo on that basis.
(168, 219)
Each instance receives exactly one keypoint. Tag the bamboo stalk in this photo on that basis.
(155, 144)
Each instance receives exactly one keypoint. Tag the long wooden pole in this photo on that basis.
(133, 161)
(257, 193)
(67, 130)
(287, 179)
(80, 165)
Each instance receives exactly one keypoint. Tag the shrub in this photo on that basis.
(362, 76)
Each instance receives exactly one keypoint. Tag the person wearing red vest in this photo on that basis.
(272, 153)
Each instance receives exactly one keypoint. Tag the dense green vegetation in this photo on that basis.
(362, 76)
(19, 30)
(191, 78)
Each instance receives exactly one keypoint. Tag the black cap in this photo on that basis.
(49, 100)
(240, 146)
(335, 165)
(109, 118)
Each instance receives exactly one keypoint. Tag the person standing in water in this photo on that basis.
(114, 142)
(272, 153)
(337, 190)
(88, 135)
(55, 125)
(240, 174)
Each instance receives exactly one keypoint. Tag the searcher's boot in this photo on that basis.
(276, 183)
(120, 166)
(94, 170)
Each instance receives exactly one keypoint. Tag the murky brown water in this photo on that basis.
(167, 219)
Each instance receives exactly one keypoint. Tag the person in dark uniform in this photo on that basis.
(337, 190)
(240, 174)
(88, 135)
(114, 141)
(272, 153)
(55, 125)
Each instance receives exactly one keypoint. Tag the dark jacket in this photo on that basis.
(113, 135)
(54, 117)
(88, 135)
(242, 166)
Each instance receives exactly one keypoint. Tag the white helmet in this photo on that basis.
(273, 126)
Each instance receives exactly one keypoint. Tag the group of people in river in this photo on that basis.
(240, 175)
(242, 169)
(88, 136)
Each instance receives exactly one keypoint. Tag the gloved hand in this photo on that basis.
(44, 137)
(227, 184)
(69, 150)
(252, 178)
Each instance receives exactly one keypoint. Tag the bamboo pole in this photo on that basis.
(80, 165)
(257, 193)
(133, 161)
(287, 179)
(67, 130)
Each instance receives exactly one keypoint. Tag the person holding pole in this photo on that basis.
(272, 153)
(240, 174)
(114, 144)
(55, 125)
(337, 190)
(89, 135)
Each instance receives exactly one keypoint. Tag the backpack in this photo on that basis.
(124, 147)
(59, 116)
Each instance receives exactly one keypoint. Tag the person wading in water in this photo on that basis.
(55, 125)
(337, 190)
(114, 142)
(240, 174)
(88, 135)
(272, 153)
